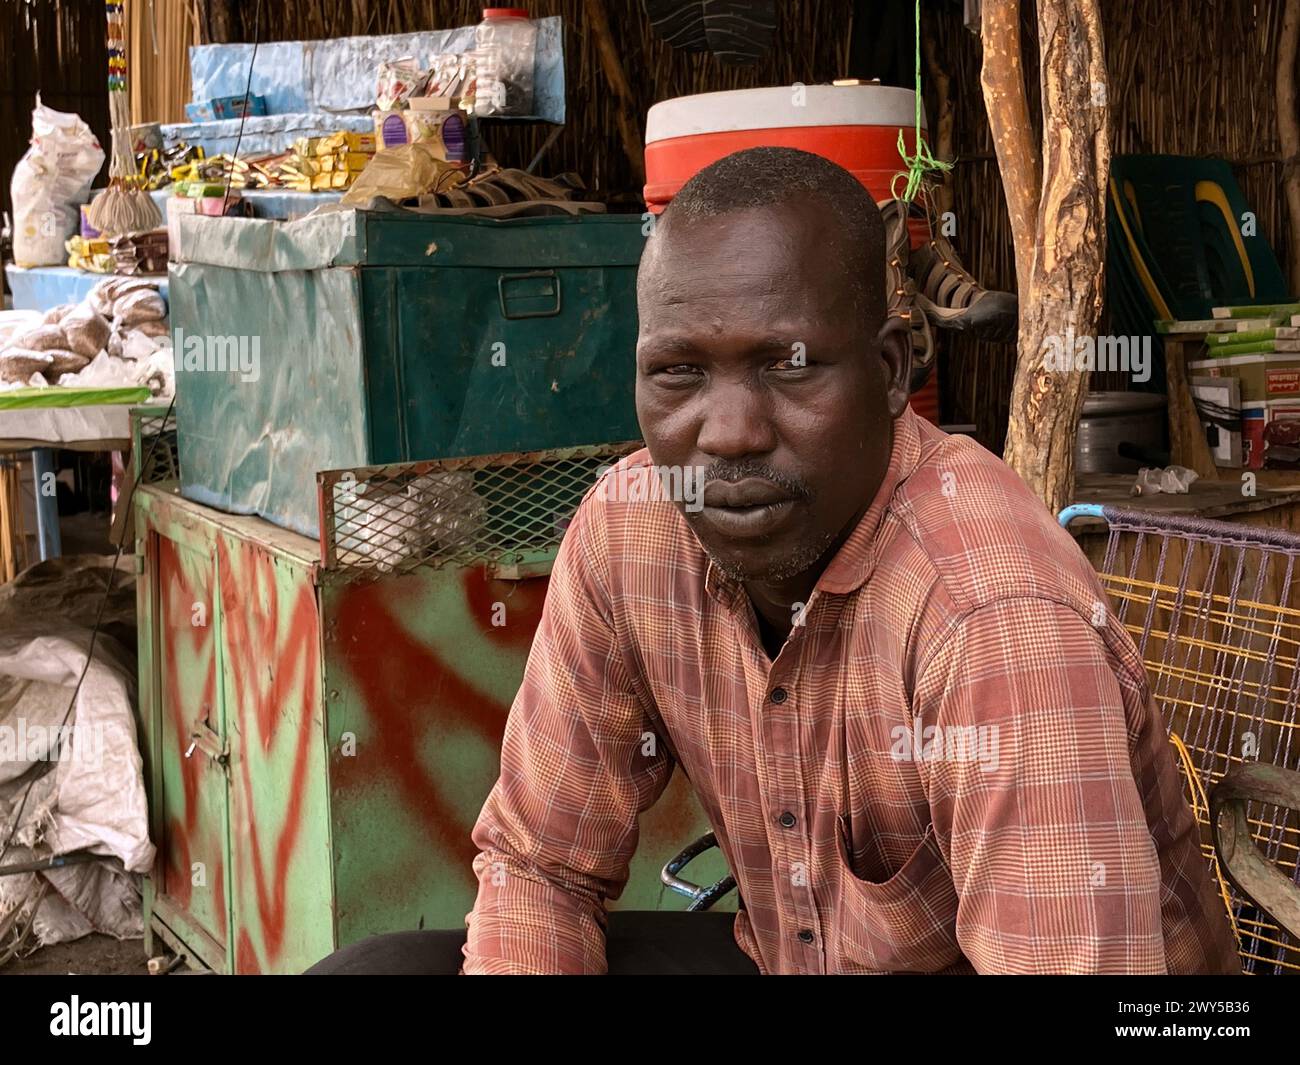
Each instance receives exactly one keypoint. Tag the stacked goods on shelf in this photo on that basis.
(414, 104)
(92, 254)
(159, 167)
(239, 173)
(89, 250)
(332, 162)
(141, 253)
(1260, 347)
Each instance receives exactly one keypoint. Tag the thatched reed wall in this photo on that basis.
(1187, 76)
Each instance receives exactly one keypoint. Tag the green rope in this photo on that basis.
(921, 163)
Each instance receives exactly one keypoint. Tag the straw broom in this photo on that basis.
(123, 207)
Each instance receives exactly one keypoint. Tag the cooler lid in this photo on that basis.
(781, 107)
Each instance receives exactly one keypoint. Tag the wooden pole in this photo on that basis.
(1288, 131)
(1060, 305)
(1002, 76)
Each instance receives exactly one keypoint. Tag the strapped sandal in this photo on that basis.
(900, 289)
(952, 299)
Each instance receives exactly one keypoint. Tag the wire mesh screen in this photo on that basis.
(507, 511)
(153, 432)
(1212, 607)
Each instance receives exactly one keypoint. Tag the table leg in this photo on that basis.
(1187, 443)
(47, 505)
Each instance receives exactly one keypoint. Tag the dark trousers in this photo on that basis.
(650, 943)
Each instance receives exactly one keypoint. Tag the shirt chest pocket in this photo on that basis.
(904, 924)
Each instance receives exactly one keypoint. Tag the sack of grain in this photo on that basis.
(136, 307)
(65, 362)
(86, 330)
(42, 338)
(18, 364)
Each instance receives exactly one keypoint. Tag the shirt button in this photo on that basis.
(787, 820)
(779, 695)
(805, 936)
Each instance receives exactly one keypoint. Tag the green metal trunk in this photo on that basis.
(389, 337)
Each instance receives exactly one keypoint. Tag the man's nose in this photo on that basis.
(736, 422)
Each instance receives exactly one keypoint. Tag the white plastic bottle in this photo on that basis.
(506, 45)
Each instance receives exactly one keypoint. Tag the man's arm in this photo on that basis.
(559, 829)
(1050, 852)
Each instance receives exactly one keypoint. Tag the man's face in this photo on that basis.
(754, 363)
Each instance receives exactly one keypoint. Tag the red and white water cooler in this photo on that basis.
(855, 126)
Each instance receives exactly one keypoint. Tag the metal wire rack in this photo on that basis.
(506, 511)
(1212, 607)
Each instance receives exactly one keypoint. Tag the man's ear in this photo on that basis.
(895, 339)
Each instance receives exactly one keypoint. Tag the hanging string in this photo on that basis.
(921, 162)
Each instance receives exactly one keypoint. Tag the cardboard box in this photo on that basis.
(1269, 375)
(220, 107)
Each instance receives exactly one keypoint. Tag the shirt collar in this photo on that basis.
(853, 562)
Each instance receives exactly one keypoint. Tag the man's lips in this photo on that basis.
(743, 509)
(751, 492)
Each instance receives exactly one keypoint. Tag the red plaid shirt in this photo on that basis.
(954, 763)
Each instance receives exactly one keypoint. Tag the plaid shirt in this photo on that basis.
(954, 763)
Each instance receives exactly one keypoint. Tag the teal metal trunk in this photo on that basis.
(368, 337)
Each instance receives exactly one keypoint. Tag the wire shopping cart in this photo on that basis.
(1214, 609)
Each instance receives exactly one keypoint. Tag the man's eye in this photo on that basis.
(789, 364)
(679, 369)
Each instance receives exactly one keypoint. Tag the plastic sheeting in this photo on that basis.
(263, 134)
(330, 239)
(283, 204)
(93, 798)
(43, 287)
(237, 451)
(339, 74)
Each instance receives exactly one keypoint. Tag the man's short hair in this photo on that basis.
(758, 177)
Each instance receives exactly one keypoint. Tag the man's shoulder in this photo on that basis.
(986, 535)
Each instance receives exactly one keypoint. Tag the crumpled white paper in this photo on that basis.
(1172, 480)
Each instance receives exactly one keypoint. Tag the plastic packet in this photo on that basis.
(399, 80)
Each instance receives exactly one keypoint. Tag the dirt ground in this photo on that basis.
(91, 955)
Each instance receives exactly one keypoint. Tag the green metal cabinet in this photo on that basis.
(318, 742)
(389, 337)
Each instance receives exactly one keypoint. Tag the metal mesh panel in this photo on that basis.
(155, 457)
(506, 511)
(1213, 610)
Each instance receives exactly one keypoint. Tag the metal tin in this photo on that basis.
(1112, 418)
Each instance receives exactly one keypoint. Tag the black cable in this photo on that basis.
(243, 117)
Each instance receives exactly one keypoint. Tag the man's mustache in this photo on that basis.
(722, 470)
